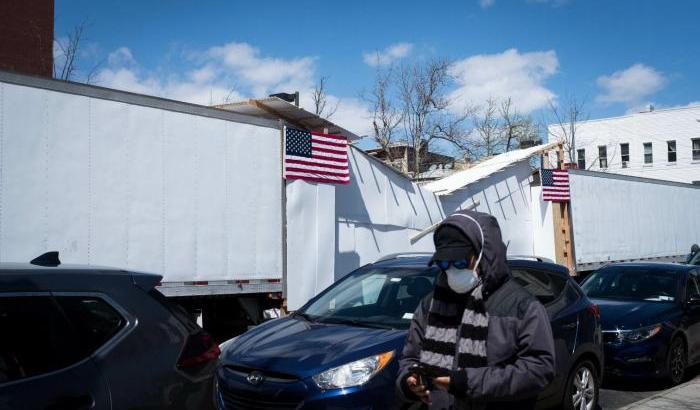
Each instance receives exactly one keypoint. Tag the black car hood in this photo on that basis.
(301, 348)
(620, 314)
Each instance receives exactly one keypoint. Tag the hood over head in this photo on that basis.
(493, 268)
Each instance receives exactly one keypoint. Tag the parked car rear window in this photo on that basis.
(544, 286)
(373, 297)
(95, 321)
(650, 285)
(36, 338)
(182, 315)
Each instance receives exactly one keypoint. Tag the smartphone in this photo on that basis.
(425, 374)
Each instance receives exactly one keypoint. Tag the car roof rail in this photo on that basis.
(530, 257)
(402, 255)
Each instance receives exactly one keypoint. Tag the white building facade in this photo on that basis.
(659, 144)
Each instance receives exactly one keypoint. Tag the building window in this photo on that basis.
(696, 149)
(581, 158)
(671, 151)
(625, 154)
(603, 156)
(648, 156)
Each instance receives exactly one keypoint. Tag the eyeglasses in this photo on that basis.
(460, 264)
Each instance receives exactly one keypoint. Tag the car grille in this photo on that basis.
(235, 401)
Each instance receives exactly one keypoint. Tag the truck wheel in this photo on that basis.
(676, 361)
(582, 387)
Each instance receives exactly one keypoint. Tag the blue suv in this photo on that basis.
(341, 349)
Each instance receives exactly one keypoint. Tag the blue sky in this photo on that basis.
(615, 55)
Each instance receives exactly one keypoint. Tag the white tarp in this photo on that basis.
(310, 240)
(124, 185)
(334, 229)
(484, 169)
(378, 213)
(505, 194)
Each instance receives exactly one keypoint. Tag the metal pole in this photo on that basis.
(284, 211)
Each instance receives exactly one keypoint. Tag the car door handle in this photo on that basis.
(82, 402)
(571, 325)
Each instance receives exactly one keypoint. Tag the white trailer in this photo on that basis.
(190, 192)
(619, 218)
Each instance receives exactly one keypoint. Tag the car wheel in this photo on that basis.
(677, 361)
(582, 387)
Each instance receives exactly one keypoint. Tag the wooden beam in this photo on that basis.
(563, 236)
(269, 110)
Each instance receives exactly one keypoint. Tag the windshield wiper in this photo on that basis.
(354, 322)
(303, 316)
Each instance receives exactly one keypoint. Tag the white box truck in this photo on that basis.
(142, 183)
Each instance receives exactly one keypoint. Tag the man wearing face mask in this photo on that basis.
(479, 340)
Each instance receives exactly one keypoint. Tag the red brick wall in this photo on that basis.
(26, 36)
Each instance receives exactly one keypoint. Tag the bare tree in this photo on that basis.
(488, 137)
(515, 127)
(386, 117)
(323, 107)
(68, 50)
(67, 56)
(566, 121)
(424, 107)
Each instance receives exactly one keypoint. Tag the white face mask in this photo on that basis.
(461, 280)
(464, 280)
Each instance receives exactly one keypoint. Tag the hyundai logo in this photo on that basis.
(255, 378)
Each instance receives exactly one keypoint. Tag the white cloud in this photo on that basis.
(486, 3)
(231, 72)
(264, 74)
(220, 73)
(388, 55)
(631, 85)
(120, 56)
(511, 74)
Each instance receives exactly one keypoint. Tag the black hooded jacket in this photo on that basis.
(519, 346)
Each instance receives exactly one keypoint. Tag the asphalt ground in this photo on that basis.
(618, 393)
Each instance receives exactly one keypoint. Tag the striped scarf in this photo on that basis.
(456, 332)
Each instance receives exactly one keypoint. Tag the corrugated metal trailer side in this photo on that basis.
(623, 218)
(119, 179)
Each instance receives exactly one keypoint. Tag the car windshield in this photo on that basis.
(633, 284)
(373, 297)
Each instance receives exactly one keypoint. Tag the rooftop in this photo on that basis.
(274, 108)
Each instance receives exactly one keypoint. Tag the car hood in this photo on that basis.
(295, 346)
(619, 314)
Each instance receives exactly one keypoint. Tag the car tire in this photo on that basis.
(676, 361)
(582, 384)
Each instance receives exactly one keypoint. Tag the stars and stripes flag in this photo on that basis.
(316, 157)
(555, 185)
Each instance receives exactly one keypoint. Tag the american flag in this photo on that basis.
(555, 185)
(316, 157)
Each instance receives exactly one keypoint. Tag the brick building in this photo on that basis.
(26, 36)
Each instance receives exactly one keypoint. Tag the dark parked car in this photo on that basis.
(341, 349)
(79, 337)
(651, 318)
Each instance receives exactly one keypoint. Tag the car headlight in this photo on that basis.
(353, 374)
(638, 335)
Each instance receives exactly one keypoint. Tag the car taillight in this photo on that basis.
(199, 349)
(594, 310)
